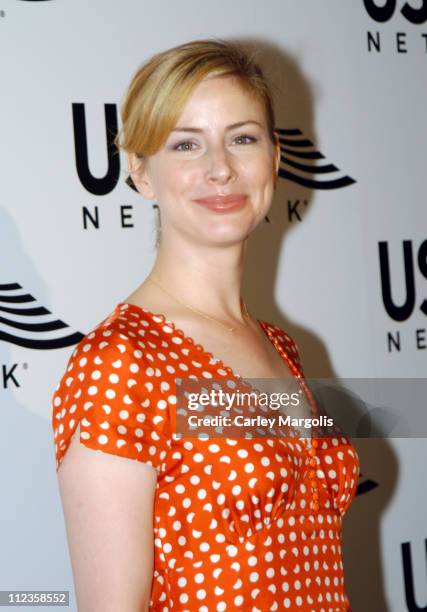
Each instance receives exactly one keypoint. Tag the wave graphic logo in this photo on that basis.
(298, 158)
(20, 323)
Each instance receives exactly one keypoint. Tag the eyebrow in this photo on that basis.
(229, 127)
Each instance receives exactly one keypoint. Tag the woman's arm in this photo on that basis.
(108, 510)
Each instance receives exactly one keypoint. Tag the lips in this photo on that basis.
(223, 202)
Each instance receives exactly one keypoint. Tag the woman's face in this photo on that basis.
(219, 147)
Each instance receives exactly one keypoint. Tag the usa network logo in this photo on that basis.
(406, 278)
(392, 12)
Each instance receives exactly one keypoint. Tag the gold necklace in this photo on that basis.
(203, 314)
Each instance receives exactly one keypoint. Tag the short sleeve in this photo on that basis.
(112, 391)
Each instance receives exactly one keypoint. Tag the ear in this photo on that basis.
(138, 170)
(276, 159)
(277, 153)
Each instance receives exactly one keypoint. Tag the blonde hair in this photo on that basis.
(161, 86)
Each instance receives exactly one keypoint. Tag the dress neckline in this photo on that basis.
(161, 319)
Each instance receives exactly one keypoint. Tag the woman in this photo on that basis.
(195, 524)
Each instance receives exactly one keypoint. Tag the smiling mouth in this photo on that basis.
(223, 203)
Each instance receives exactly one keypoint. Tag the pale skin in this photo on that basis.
(108, 500)
(201, 255)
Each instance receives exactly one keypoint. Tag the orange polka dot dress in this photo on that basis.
(239, 524)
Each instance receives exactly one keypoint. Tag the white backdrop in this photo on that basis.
(351, 77)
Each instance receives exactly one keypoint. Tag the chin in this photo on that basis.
(225, 234)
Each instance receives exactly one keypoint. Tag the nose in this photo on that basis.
(220, 167)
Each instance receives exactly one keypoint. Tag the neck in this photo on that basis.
(205, 277)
